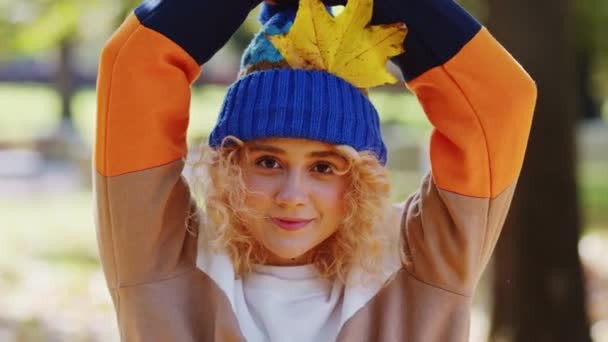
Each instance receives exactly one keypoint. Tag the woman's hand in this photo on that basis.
(381, 14)
(201, 27)
(295, 2)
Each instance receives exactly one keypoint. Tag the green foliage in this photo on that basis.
(594, 194)
(591, 27)
(30, 26)
(7, 29)
(51, 23)
(475, 7)
(395, 105)
(592, 24)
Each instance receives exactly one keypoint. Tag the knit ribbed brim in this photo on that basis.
(294, 103)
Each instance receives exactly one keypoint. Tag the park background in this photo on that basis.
(548, 280)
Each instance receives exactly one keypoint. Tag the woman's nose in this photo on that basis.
(294, 190)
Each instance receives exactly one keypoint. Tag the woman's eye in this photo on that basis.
(323, 168)
(268, 163)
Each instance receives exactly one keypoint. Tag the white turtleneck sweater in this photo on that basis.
(279, 303)
(292, 303)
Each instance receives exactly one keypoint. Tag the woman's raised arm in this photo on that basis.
(480, 102)
(146, 70)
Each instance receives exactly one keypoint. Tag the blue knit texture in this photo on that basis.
(261, 49)
(273, 100)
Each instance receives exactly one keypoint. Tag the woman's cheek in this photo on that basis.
(329, 192)
(261, 185)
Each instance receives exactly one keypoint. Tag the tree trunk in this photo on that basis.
(590, 107)
(63, 142)
(538, 285)
(65, 79)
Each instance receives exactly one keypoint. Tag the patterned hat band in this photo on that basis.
(295, 103)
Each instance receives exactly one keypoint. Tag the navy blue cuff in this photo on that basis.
(267, 11)
(438, 29)
(201, 27)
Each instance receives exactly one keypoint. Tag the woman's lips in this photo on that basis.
(290, 223)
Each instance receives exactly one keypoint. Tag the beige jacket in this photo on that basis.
(480, 102)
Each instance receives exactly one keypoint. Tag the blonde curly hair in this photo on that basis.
(220, 191)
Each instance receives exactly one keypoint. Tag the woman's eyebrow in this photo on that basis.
(325, 154)
(277, 150)
(266, 148)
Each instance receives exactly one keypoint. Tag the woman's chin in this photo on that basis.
(279, 257)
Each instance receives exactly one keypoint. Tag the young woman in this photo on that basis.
(293, 239)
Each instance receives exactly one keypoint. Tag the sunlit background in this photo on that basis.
(51, 285)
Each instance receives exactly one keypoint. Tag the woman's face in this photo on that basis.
(296, 194)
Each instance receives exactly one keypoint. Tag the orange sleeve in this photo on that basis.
(143, 99)
(480, 103)
(143, 204)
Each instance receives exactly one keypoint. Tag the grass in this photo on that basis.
(57, 228)
(49, 269)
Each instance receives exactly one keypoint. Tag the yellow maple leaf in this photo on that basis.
(344, 45)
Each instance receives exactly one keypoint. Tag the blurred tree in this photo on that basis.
(592, 54)
(538, 287)
(41, 25)
(31, 27)
(591, 20)
(125, 7)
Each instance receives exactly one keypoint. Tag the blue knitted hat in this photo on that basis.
(273, 100)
